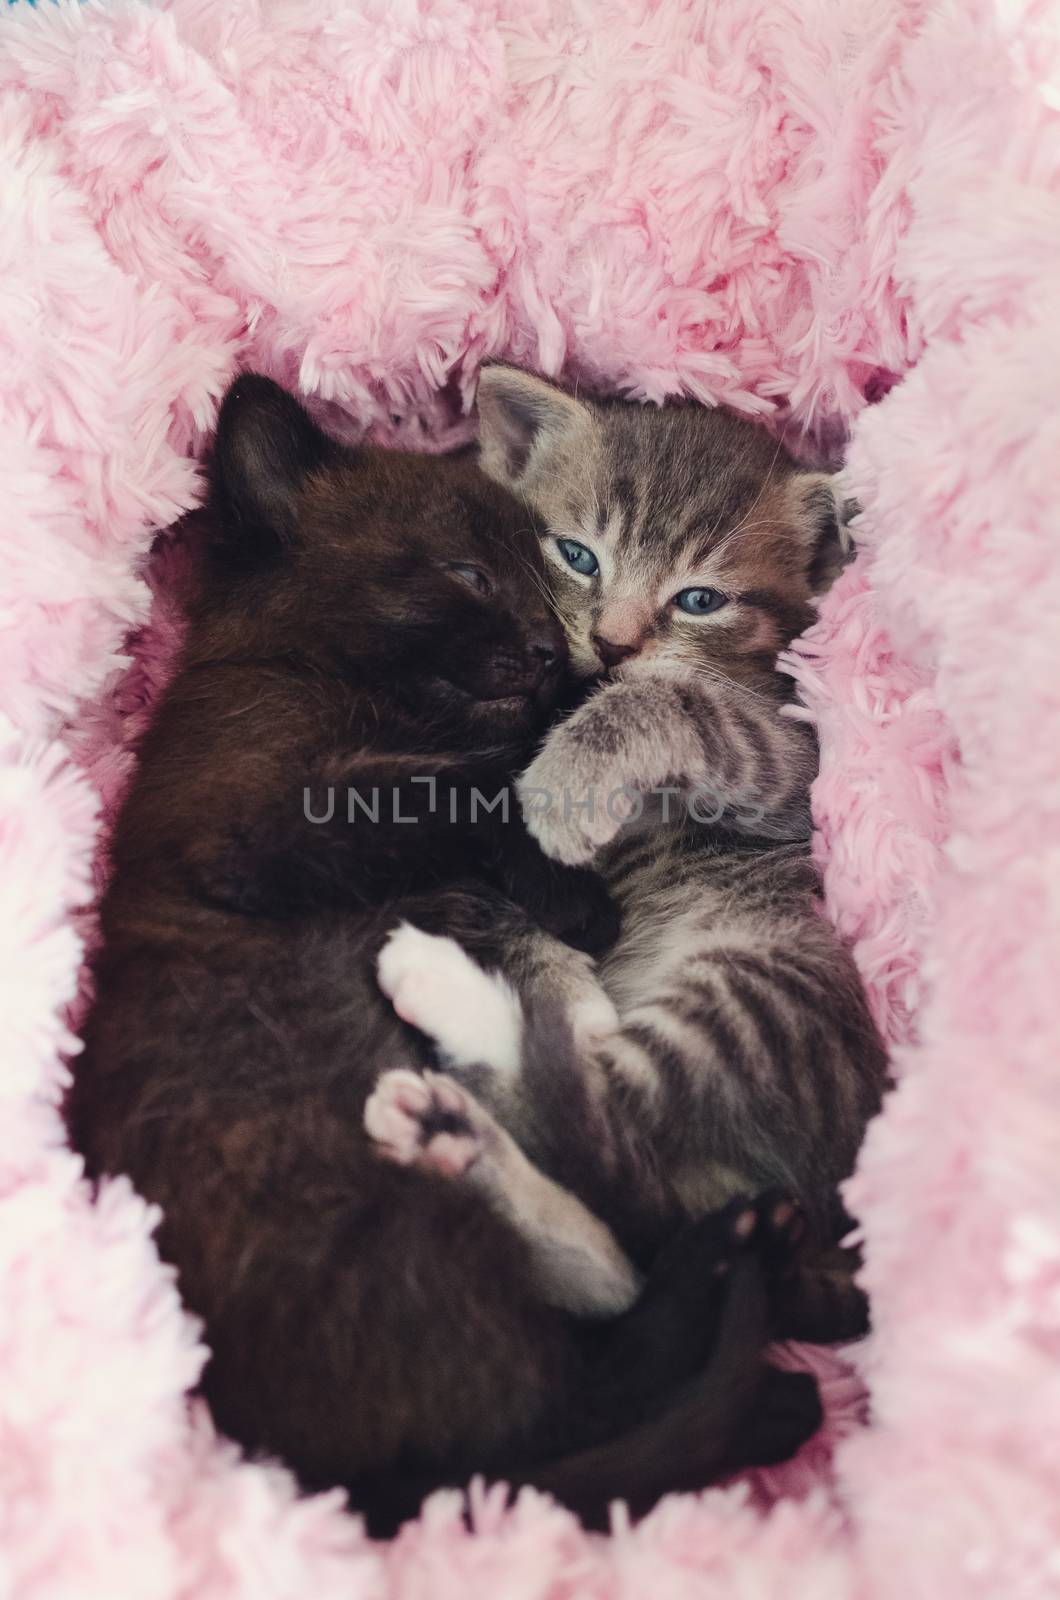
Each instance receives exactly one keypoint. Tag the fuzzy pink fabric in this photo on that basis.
(842, 213)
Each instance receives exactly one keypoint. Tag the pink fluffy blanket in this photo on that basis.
(845, 213)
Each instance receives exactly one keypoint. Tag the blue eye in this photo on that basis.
(578, 556)
(700, 602)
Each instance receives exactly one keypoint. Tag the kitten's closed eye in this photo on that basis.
(473, 576)
(700, 602)
(578, 556)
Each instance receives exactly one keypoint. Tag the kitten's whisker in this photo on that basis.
(715, 675)
(743, 531)
(535, 577)
(697, 550)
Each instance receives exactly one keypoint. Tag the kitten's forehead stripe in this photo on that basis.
(681, 482)
(623, 496)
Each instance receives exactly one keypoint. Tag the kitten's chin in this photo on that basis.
(506, 724)
(509, 715)
(507, 707)
(638, 667)
(501, 717)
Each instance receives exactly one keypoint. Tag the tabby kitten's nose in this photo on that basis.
(609, 651)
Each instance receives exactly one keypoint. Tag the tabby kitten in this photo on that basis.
(684, 547)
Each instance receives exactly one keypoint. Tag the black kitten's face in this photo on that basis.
(440, 581)
(415, 571)
(495, 642)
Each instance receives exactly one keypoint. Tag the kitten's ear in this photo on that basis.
(524, 423)
(823, 520)
(266, 446)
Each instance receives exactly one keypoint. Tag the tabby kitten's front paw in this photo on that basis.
(571, 805)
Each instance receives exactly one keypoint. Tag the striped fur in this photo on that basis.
(746, 1056)
(746, 1052)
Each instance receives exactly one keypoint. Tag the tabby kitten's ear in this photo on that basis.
(525, 425)
(265, 448)
(822, 521)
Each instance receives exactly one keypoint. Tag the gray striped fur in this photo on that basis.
(746, 1056)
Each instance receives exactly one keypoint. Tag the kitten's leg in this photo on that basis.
(786, 1413)
(682, 1330)
(434, 1123)
(557, 1103)
(725, 750)
(549, 974)
(476, 1018)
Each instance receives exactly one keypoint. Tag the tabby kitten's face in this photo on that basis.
(683, 540)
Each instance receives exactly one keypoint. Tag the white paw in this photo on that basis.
(474, 1017)
(427, 1122)
(570, 812)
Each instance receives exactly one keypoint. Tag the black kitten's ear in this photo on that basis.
(822, 520)
(526, 426)
(266, 446)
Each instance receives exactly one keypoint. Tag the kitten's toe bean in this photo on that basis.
(784, 1228)
(447, 1097)
(427, 1121)
(741, 1226)
(473, 1016)
(745, 1221)
(450, 1154)
(773, 1225)
(393, 1114)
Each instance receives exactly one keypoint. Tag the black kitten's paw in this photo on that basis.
(821, 1302)
(812, 1294)
(773, 1226)
(783, 1233)
(698, 1258)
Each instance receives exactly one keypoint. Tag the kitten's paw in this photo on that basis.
(711, 1247)
(570, 808)
(784, 1229)
(428, 1122)
(821, 1301)
(474, 1017)
(774, 1226)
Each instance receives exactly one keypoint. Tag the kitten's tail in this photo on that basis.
(736, 1413)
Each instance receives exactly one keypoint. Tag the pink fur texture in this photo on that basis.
(842, 214)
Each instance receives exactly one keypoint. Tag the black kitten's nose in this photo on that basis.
(610, 651)
(546, 653)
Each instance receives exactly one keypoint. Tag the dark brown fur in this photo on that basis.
(373, 1327)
